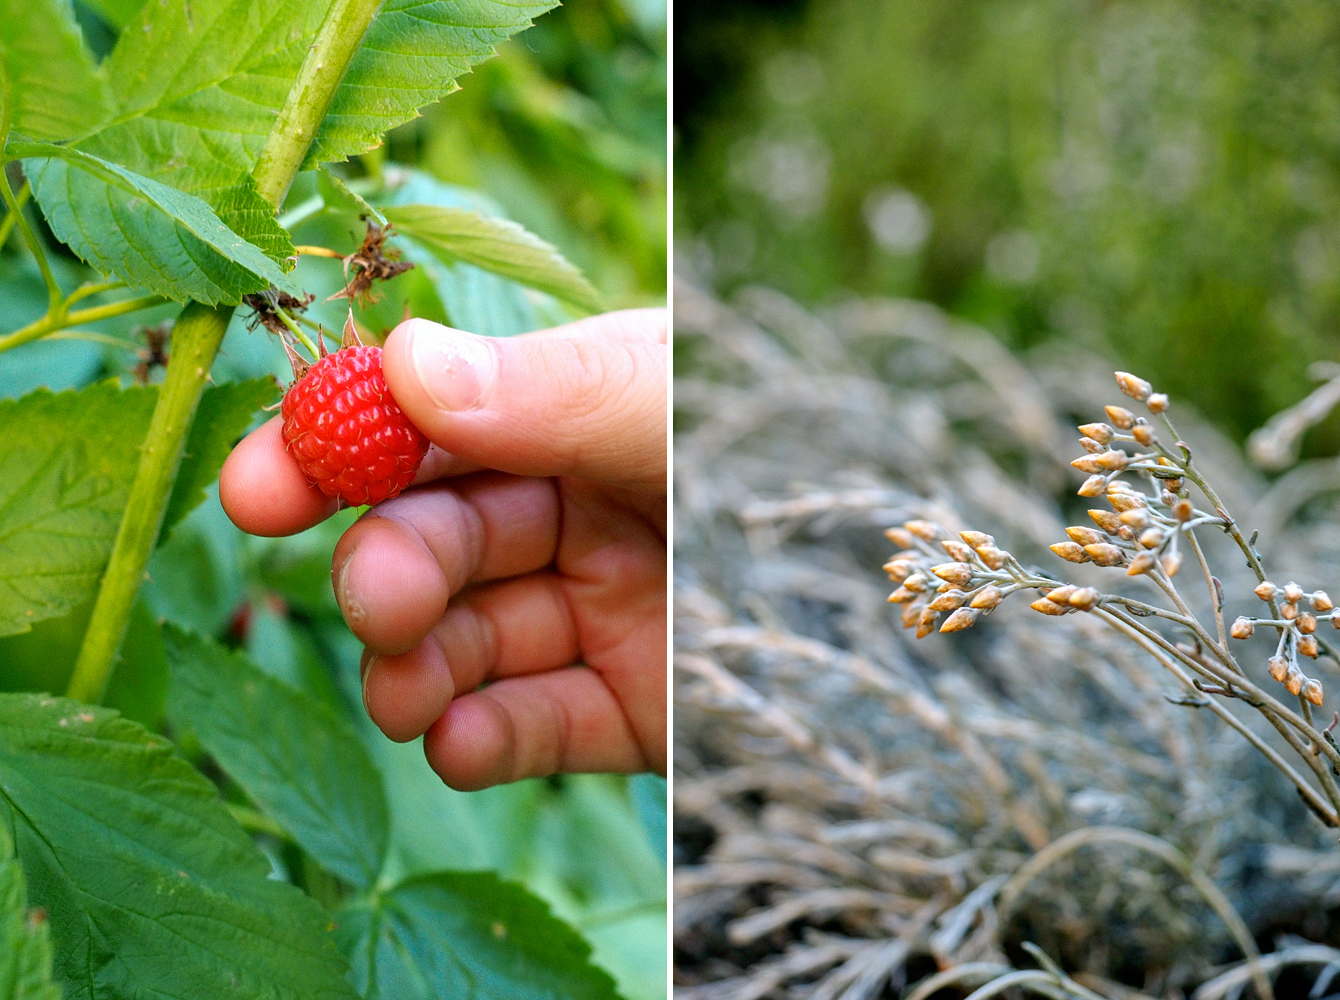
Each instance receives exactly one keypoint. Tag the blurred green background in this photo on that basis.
(563, 132)
(1155, 180)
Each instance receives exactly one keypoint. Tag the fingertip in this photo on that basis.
(473, 744)
(388, 585)
(264, 492)
(405, 694)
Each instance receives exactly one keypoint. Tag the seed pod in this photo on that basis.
(926, 623)
(1104, 554)
(1101, 433)
(954, 572)
(1061, 594)
(1112, 461)
(916, 583)
(1294, 680)
(1143, 433)
(944, 588)
(1142, 563)
(898, 569)
(1120, 417)
(1288, 611)
(1136, 517)
(1173, 485)
(987, 598)
(1133, 386)
(948, 601)
(1321, 601)
(957, 550)
(992, 556)
(1292, 592)
(976, 538)
(911, 612)
(1090, 445)
(900, 537)
(1048, 607)
(1106, 520)
(1093, 486)
(1070, 552)
(901, 596)
(1312, 691)
(1307, 623)
(1242, 629)
(1121, 486)
(1122, 502)
(1085, 598)
(1265, 590)
(925, 530)
(1157, 402)
(1308, 646)
(1171, 563)
(1150, 538)
(1125, 533)
(1085, 536)
(1278, 667)
(959, 620)
(1088, 463)
(1182, 510)
(1168, 498)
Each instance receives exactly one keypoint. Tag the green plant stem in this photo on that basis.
(54, 295)
(310, 96)
(20, 199)
(195, 340)
(60, 319)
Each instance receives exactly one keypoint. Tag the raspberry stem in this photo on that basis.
(196, 339)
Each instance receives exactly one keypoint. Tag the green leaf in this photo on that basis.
(497, 245)
(339, 198)
(143, 232)
(66, 463)
(648, 792)
(242, 209)
(465, 934)
(151, 886)
(473, 299)
(225, 413)
(48, 82)
(413, 52)
(299, 761)
(117, 13)
(25, 938)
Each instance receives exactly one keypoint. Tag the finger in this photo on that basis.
(628, 325)
(504, 629)
(592, 406)
(395, 569)
(439, 464)
(525, 727)
(264, 492)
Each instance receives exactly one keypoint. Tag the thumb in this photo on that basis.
(587, 400)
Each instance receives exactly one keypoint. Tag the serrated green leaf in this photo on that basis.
(66, 463)
(298, 760)
(465, 934)
(225, 412)
(152, 888)
(497, 245)
(242, 209)
(411, 56)
(117, 13)
(473, 299)
(49, 84)
(25, 938)
(339, 198)
(143, 232)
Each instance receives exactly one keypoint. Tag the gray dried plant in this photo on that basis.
(858, 813)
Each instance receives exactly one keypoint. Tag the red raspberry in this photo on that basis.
(350, 438)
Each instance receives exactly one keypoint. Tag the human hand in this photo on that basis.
(529, 555)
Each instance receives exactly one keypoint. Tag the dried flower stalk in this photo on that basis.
(1147, 534)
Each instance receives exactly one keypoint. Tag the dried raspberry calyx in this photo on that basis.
(346, 431)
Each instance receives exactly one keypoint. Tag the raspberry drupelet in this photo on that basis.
(346, 431)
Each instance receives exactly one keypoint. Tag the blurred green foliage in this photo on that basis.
(564, 132)
(1152, 179)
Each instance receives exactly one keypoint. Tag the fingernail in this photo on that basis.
(366, 672)
(353, 611)
(455, 369)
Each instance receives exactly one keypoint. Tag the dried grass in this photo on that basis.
(848, 802)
